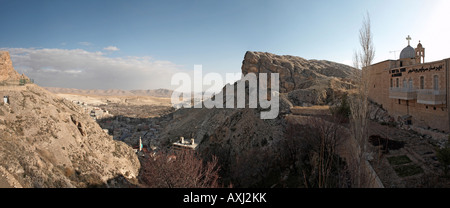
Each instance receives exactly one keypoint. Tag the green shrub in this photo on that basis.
(408, 170)
(399, 160)
(342, 110)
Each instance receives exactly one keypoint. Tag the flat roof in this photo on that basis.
(188, 145)
(410, 65)
(383, 61)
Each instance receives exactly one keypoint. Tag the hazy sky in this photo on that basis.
(137, 44)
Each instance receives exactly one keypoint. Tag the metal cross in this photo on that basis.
(408, 38)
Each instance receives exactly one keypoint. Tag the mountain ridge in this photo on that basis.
(165, 93)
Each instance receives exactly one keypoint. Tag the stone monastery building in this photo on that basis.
(413, 91)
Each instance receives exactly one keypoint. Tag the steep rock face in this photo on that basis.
(307, 82)
(302, 82)
(47, 141)
(295, 72)
(7, 71)
(232, 133)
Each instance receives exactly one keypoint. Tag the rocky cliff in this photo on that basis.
(302, 82)
(305, 82)
(295, 72)
(47, 141)
(230, 133)
(7, 71)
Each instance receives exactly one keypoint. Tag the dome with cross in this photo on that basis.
(408, 51)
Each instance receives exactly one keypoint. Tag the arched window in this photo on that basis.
(436, 82)
(410, 83)
(404, 83)
(422, 83)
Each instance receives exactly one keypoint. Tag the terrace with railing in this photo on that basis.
(431, 97)
(423, 96)
(402, 93)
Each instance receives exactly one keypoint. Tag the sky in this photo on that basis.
(137, 44)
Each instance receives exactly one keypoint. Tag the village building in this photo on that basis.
(413, 91)
(184, 145)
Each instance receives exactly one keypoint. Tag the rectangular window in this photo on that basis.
(436, 82)
(422, 83)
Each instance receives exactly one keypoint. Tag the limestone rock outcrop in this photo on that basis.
(306, 82)
(7, 71)
(295, 72)
(230, 133)
(302, 83)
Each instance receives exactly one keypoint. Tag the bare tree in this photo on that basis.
(312, 149)
(359, 104)
(324, 140)
(365, 40)
(181, 169)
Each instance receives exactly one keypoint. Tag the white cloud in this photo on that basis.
(82, 69)
(111, 48)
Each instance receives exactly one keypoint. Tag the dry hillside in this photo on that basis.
(47, 141)
(302, 82)
(232, 133)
